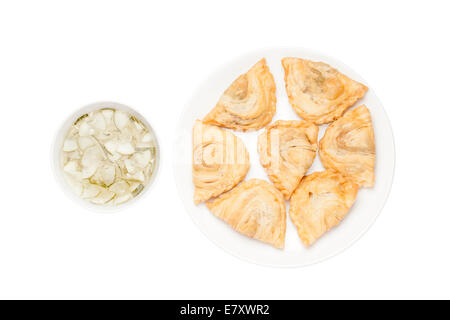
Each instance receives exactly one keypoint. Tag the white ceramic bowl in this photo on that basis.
(57, 148)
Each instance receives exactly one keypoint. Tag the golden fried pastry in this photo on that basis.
(348, 146)
(318, 92)
(249, 103)
(286, 150)
(256, 209)
(220, 161)
(320, 202)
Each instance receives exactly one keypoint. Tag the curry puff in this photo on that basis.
(287, 150)
(256, 209)
(220, 161)
(348, 147)
(318, 92)
(249, 103)
(320, 202)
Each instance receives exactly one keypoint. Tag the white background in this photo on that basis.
(56, 56)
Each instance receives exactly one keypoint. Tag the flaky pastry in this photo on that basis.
(348, 146)
(256, 209)
(318, 92)
(286, 151)
(320, 202)
(249, 103)
(220, 161)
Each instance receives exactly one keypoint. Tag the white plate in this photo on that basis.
(363, 213)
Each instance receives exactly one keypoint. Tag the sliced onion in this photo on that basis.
(108, 157)
(85, 142)
(130, 165)
(72, 167)
(142, 158)
(103, 197)
(92, 156)
(122, 199)
(91, 190)
(120, 187)
(98, 122)
(86, 129)
(121, 119)
(70, 145)
(111, 145)
(125, 148)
